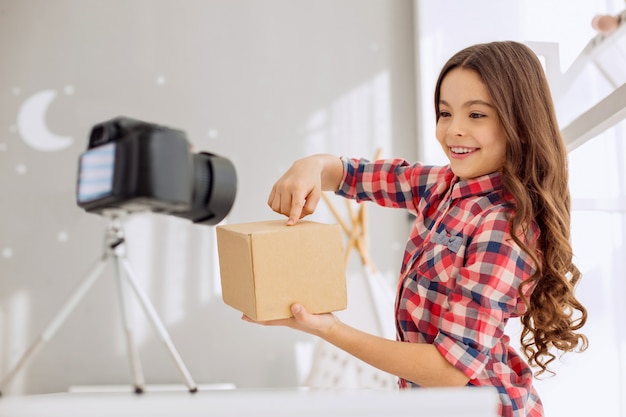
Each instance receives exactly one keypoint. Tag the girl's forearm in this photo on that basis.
(420, 363)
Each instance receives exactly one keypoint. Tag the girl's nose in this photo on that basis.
(456, 127)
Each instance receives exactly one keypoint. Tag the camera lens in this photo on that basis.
(214, 189)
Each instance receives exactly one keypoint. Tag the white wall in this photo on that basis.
(259, 82)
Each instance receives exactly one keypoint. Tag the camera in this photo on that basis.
(134, 166)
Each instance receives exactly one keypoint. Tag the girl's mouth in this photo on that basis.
(460, 151)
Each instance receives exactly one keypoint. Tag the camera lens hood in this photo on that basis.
(214, 189)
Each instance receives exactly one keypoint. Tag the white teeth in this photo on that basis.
(461, 150)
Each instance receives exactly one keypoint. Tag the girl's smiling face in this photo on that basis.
(469, 129)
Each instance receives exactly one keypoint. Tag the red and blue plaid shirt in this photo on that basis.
(461, 271)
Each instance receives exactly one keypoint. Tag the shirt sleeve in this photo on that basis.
(485, 295)
(390, 182)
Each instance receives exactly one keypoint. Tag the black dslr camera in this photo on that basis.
(135, 166)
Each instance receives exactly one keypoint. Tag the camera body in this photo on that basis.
(134, 166)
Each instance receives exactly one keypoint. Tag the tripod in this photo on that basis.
(115, 249)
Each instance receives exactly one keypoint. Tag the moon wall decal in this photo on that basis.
(31, 123)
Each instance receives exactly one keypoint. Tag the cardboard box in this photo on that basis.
(267, 266)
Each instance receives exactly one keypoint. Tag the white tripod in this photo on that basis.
(115, 248)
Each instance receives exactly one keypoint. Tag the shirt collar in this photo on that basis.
(476, 186)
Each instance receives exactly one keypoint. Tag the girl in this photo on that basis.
(490, 240)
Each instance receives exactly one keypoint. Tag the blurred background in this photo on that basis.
(262, 83)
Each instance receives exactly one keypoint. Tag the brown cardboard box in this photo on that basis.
(267, 266)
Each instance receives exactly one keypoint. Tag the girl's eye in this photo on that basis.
(444, 114)
(476, 115)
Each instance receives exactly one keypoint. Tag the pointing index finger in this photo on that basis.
(295, 213)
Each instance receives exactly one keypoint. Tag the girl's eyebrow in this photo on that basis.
(469, 103)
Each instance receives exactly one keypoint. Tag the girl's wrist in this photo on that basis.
(330, 333)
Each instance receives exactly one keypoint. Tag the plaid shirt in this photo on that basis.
(460, 274)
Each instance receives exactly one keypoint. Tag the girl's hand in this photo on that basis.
(315, 324)
(297, 193)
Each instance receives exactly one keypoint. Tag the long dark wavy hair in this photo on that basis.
(535, 173)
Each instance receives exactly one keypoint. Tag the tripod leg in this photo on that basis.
(135, 364)
(159, 327)
(57, 321)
